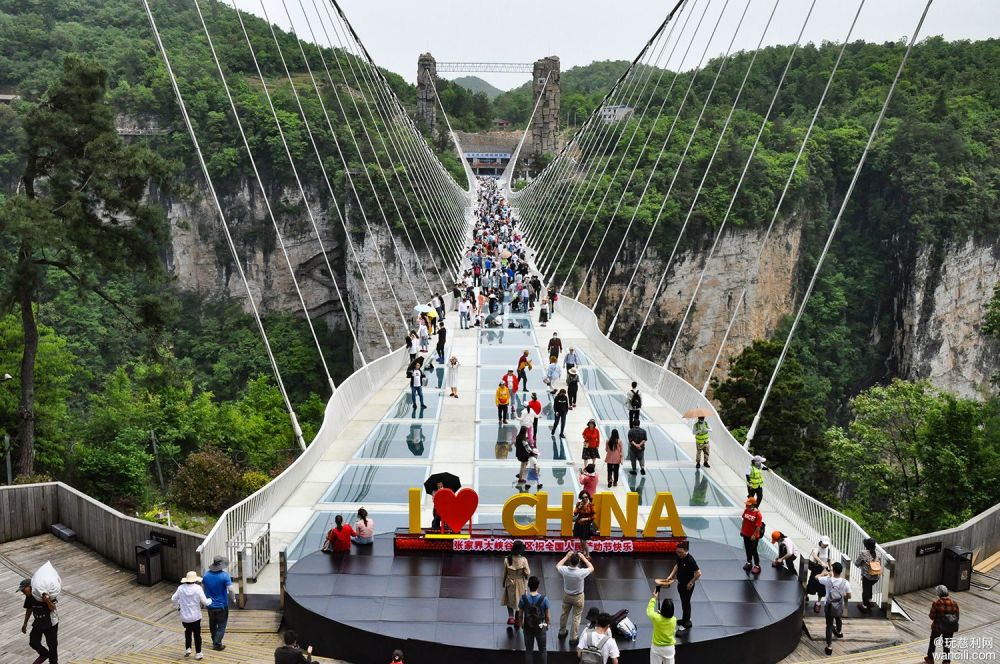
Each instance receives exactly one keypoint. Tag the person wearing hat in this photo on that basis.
(755, 479)
(502, 401)
(751, 529)
(820, 560)
(218, 584)
(787, 551)
(572, 386)
(189, 598)
(45, 623)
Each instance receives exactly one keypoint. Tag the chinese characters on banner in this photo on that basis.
(487, 544)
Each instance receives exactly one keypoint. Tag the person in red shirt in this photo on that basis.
(591, 442)
(751, 530)
(340, 535)
(510, 380)
(536, 406)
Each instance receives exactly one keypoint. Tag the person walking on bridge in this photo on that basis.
(633, 401)
(555, 345)
(751, 529)
(503, 403)
(870, 564)
(701, 439)
(523, 366)
(755, 479)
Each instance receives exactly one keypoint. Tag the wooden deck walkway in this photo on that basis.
(105, 616)
(980, 628)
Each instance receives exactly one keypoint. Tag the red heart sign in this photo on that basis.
(456, 509)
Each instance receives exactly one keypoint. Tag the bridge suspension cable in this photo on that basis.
(504, 180)
(781, 198)
(663, 103)
(708, 167)
(589, 147)
(563, 236)
(427, 169)
(237, 259)
(298, 182)
(263, 190)
(367, 173)
(836, 223)
(732, 200)
(680, 164)
(357, 110)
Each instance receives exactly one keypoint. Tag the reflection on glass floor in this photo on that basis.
(399, 440)
(487, 408)
(506, 337)
(659, 445)
(496, 484)
(310, 539)
(496, 442)
(691, 488)
(610, 406)
(724, 530)
(509, 356)
(403, 408)
(364, 483)
(596, 379)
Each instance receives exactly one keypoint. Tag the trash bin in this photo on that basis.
(957, 568)
(148, 563)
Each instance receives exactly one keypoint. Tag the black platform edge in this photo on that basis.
(363, 643)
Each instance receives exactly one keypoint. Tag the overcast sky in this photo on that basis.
(581, 31)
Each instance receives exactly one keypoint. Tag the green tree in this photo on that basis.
(82, 211)
(915, 460)
(792, 420)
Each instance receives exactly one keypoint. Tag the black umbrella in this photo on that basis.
(447, 479)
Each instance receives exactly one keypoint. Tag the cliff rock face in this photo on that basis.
(200, 259)
(940, 335)
(939, 312)
(769, 297)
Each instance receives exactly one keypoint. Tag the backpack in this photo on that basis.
(835, 599)
(948, 622)
(875, 568)
(592, 653)
(533, 613)
(636, 401)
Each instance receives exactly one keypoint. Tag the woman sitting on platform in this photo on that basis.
(515, 580)
(364, 527)
(338, 540)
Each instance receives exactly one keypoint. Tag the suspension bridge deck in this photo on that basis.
(389, 446)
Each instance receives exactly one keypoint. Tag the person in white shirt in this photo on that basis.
(573, 576)
(600, 638)
(838, 592)
(190, 597)
(819, 561)
(787, 551)
(463, 314)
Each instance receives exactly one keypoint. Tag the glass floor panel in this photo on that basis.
(503, 337)
(691, 488)
(493, 442)
(399, 440)
(487, 409)
(509, 356)
(610, 406)
(523, 320)
(593, 378)
(403, 408)
(495, 485)
(659, 445)
(310, 539)
(365, 483)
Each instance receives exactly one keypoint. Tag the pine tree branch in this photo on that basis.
(115, 304)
